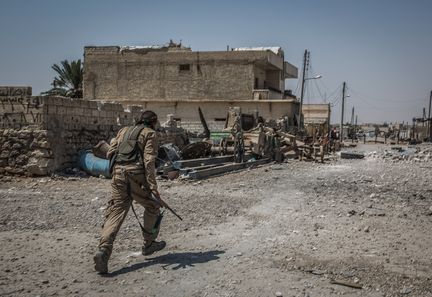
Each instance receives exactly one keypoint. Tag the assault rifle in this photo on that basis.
(163, 204)
(157, 199)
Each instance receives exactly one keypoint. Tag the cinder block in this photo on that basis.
(95, 113)
(92, 104)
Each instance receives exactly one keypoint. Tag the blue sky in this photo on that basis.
(381, 48)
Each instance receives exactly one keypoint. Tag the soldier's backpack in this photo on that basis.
(128, 150)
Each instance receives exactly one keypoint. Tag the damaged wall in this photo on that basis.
(113, 73)
(39, 135)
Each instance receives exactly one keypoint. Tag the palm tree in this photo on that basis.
(68, 83)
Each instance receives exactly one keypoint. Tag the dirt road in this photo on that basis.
(283, 229)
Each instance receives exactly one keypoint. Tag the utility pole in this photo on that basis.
(355, 127)
(423, 125)
(342, 115)
(328, 120)
(305, 62)
(352, 124)
(429, 119)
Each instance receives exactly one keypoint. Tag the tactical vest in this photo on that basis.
(128, 150)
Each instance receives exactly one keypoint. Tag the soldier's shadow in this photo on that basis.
(176, 260)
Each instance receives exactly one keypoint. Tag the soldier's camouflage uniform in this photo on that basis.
(132, 181)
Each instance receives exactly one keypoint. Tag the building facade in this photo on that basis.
(173, 79)
(174, 72)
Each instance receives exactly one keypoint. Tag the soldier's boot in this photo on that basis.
(152, 222)
(101, 261)
(153, 247)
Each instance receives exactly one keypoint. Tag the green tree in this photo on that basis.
(68, 82)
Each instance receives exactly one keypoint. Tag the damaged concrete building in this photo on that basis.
(173, 79)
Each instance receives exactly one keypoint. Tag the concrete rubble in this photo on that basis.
(251, 141)
(410, 154)
(202, 155)
(302, 225)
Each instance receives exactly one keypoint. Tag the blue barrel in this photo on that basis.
(93, 165)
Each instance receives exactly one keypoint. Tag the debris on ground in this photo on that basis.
(287, 227)
(410, 154)
(351, 155)
(244, 143)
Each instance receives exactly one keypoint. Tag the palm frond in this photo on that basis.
(68, 81)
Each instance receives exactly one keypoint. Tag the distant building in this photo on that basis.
(316, 118)
(173, 79)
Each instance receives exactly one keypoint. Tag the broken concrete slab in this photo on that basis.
(202, 161)
(199, 174)
(351, 155)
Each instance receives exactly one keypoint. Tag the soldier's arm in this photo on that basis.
(150, 153)
(114, 143)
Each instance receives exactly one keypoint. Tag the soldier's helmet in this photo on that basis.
(148, 117)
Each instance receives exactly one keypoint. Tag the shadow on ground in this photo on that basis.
(177, 260)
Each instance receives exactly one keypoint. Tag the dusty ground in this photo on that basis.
(283, 228)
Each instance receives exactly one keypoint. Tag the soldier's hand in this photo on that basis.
(158, 198)
(156, 193)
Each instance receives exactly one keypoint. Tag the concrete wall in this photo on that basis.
(113, 74)
(15, 91)
(316, 113)
(273, 79)
(260, 74)
(186, 111)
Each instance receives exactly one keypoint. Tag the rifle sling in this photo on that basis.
(133, 208)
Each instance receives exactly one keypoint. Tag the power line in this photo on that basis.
(368, 97)
(372, 102)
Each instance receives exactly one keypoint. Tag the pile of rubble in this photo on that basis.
(246, 141)
(421, 153)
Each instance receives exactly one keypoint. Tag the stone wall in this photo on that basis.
(39, 135)
(15, 91)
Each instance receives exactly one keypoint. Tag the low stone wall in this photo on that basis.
(22, 149)
(39, 135)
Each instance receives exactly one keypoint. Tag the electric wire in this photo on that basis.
(368, 101)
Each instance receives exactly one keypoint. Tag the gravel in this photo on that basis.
(281, 228)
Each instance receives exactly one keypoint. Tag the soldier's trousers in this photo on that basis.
(121, 200)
